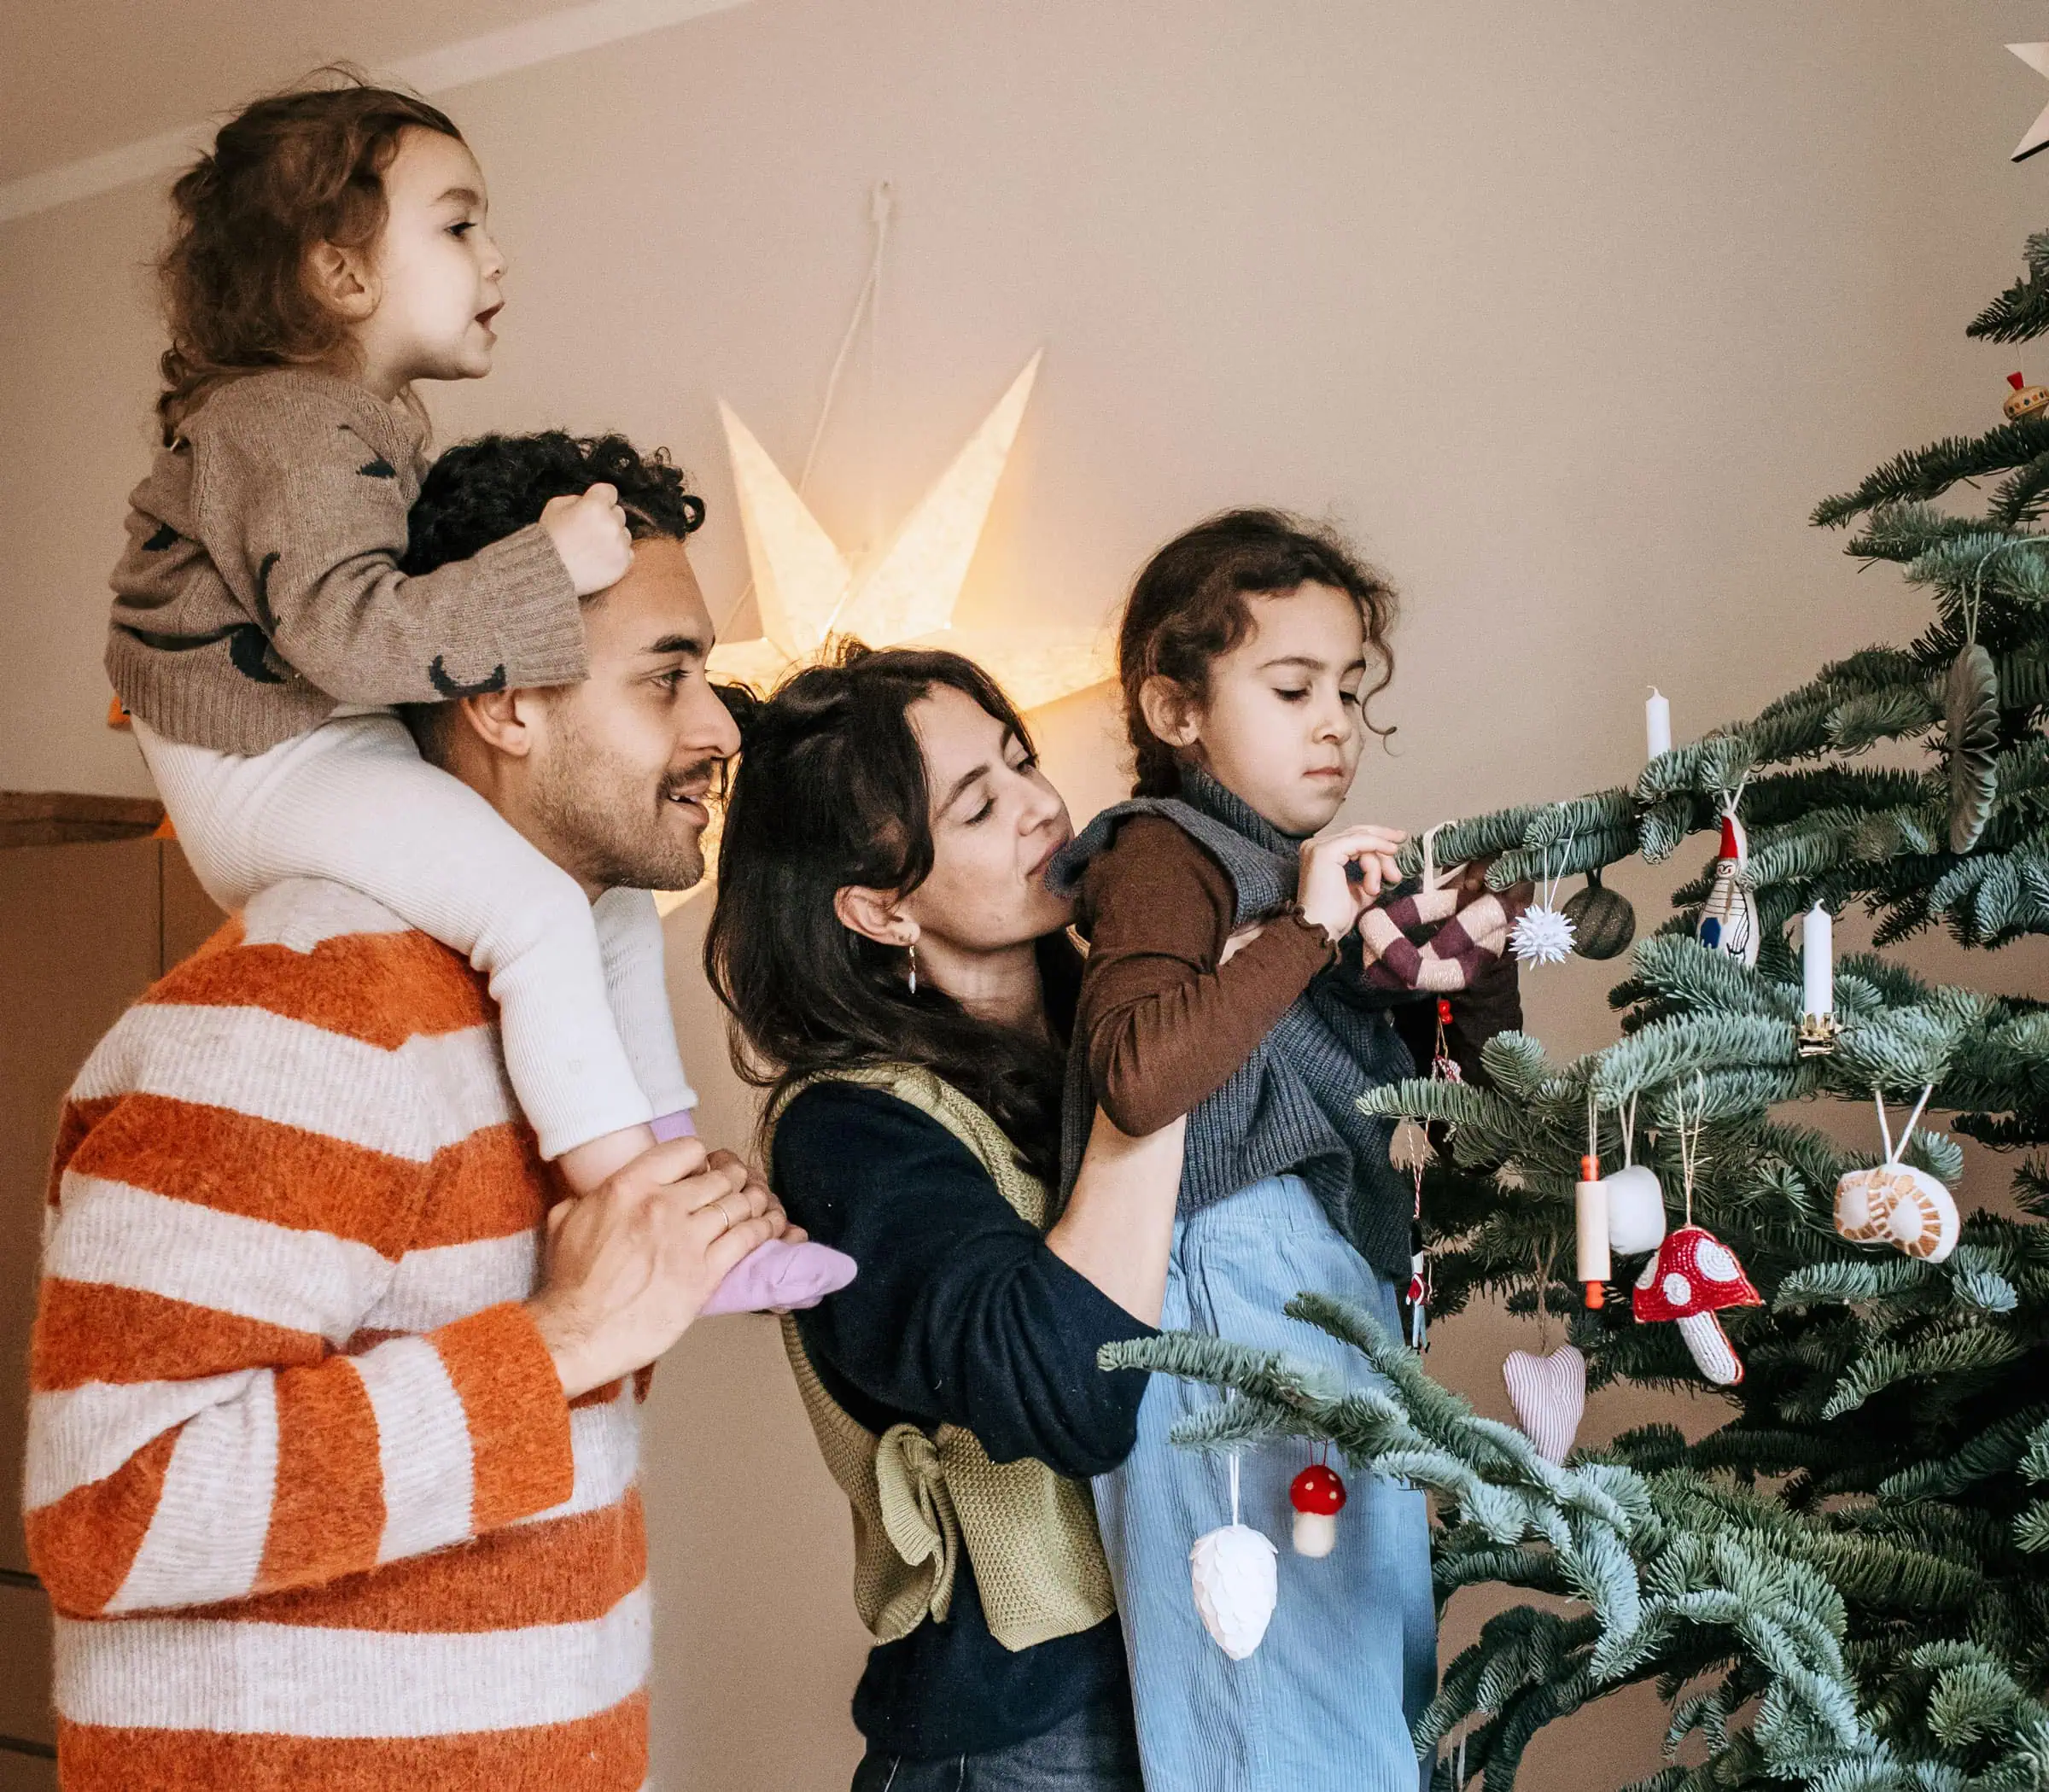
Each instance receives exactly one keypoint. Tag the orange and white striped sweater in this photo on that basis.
(301, 1481)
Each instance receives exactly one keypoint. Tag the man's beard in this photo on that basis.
(593, 806)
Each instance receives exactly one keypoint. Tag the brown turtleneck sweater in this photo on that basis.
(1166, 1021)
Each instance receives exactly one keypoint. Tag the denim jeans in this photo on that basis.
(1092, 1751)
(1350, 1659)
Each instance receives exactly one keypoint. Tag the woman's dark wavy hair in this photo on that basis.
(286, 174)
(1187, 609)
(831, 790)
(482, 490)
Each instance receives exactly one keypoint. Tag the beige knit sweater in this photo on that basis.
(261, 586)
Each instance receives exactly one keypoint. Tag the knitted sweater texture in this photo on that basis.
(1289, 1107)
(301, 1481)
(261, 586)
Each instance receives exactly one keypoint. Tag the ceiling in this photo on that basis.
(81, 76)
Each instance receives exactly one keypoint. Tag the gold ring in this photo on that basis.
(730, 1221)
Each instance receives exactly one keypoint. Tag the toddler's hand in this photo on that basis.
(590, 534)
(1328, 895)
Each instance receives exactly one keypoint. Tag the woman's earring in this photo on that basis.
(912, 948)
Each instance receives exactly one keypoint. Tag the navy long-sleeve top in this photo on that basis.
(959, 1316)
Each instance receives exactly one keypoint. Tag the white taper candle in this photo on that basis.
(1818, 961)
(1657, 724)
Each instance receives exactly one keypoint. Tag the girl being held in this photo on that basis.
(1223, 982)
(329, 252)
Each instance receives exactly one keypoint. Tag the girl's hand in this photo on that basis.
(1327, 894)
(590, 533)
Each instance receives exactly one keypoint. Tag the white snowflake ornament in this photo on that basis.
(1236, 1582)
(1541, 936)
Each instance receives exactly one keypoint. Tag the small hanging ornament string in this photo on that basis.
(1430, 872)
(1689, 1141)
(1893, 1153)
(1627, 1115)
(1234, 1486)
(1544, 1298)
(1976, 600)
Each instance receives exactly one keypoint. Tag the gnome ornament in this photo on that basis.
(1236, 1581)
(1894, 1204)
(1728, 921)
(1318, 1494)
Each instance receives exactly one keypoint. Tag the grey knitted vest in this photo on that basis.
(1289, 1107)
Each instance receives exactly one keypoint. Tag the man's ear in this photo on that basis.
(1168, 711)
(502, 719)
(344, 280)
(874, 914)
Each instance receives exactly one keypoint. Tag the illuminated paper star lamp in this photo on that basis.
(807, 591)
(2036, 56)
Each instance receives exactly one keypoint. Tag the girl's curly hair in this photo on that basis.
(289, 173)
(1188, 608)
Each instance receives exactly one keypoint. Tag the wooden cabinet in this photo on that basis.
(84, 929)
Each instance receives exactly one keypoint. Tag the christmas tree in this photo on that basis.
(1846, 1584)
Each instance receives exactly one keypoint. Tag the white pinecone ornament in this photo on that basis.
(1236, 1582)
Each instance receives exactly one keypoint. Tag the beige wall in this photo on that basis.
(1570, 313)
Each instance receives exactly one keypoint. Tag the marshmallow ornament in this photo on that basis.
(1549, 1393)
(1636, 1209)
(1894, 1204)
(1236, 1579)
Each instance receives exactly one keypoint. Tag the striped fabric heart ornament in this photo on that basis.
(1549, 1394)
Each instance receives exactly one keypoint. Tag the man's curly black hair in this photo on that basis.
(482, 491)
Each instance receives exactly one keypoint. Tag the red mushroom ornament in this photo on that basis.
(1317, 1494)
(1693, 1276)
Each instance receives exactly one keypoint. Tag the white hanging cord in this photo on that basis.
(1690, 1139)
(1894, 1152)
(882, 203)
(1430, 836)
(1234, 1486)
(1628, 1117)
(868, 304)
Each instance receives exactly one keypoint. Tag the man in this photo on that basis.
(307, 1320)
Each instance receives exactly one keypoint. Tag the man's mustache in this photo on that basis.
(696, 782)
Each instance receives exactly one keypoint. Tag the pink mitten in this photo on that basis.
(779, 1274)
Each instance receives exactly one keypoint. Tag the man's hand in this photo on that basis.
(590, 533)
(627, 1269)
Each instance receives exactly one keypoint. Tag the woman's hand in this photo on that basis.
(1326, 894)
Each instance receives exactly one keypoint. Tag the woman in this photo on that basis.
(903, 985)
(902, 981)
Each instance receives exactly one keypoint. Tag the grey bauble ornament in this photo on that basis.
(1604, 923)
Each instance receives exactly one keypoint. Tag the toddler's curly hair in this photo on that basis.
(289, 173)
